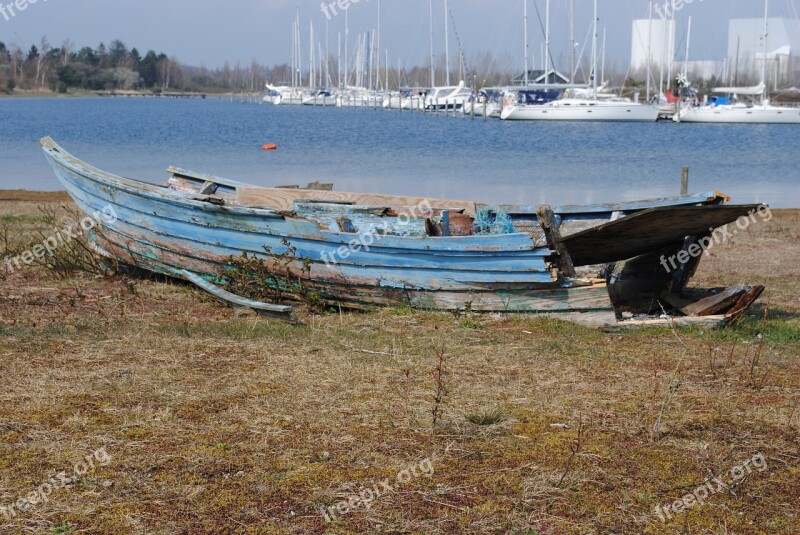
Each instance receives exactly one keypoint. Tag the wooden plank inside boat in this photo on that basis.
(284, 199)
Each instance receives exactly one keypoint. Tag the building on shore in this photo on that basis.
(651, 41)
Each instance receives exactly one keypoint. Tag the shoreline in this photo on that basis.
(105, 94)
(24, 195)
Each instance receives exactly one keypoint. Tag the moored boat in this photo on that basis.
(740, 107)
(578, 109)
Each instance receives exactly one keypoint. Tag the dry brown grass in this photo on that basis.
(21, 195)
(224, 425)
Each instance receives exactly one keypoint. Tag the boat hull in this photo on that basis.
(480, 109)
(558, 112)
(320, 101)
(166, 231)
(743, 115)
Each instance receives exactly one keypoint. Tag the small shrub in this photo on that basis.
(486, 418)
(273, 277)
(72, 255)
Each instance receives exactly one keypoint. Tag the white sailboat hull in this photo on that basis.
(491, 109)
(320, 101)
(741, 115)
(396, 103)
(581, 110)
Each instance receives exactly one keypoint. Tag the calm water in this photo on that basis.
(402, 153)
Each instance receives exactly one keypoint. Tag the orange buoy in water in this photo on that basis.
(270, 146)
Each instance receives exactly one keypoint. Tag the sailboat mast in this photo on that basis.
(346, 46)
(764, 92)
(299, 54)
(547, 45)
(371, 61)
(571, 40)
(378, 50)
(433, 72)
(327, 56)
(664, 25)
(294, 55)
(311, 65)
(688, 40)
(603, 64)
(671, 49)
(594, 53)
(525, 18)
(446, 44)
(649, 48)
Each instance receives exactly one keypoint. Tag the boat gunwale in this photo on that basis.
(323, 236)
(140, 188)
(146, 189)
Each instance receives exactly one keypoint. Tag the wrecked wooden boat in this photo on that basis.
(590, 263)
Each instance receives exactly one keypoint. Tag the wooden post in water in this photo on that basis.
(685, 181)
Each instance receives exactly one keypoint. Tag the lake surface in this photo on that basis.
(403, 153)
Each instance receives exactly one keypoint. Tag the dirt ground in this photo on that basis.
(134, 405)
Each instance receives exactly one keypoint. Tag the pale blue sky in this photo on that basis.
(209, 32)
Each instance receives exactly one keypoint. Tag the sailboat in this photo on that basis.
(743, 105)
(294, 93)
(488, 102)
(589, 108)
(446, 97)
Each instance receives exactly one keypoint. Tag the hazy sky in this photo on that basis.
(208, 32)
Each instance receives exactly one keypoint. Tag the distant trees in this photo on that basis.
(115, 67)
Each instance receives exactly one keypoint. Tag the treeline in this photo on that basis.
(116, 67)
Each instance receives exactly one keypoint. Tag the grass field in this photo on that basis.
(155, 410)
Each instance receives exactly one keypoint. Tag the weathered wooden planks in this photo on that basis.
(648, 231)
(715, 304)
(590, 298)
(238, 302)
(547, 220)
(706, 322)
(283, 199)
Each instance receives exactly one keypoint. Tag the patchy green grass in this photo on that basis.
(218, 424)
(486, 418)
